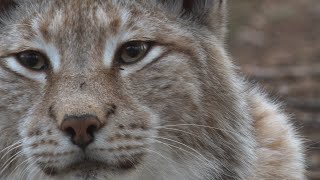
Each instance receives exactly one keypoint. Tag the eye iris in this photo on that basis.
(32, 60)
(133, 52)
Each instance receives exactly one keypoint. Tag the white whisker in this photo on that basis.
(197, 152)
(179, 148)
(197, 125)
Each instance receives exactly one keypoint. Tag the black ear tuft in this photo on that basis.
(191, 7)
(210, 13)
(197, 6)
(6, 5)
(188, 5)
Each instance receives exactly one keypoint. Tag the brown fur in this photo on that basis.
(186, 114)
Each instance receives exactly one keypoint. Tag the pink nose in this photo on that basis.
(81, 129)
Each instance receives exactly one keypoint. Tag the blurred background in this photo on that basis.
(277, 44)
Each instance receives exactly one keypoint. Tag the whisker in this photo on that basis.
(184, 146)
(145, 167)
(159, 154)
(173, 129)
(29, 167)
(9, 151)
(10, 160)
(170, 145)
(162, 156)
(132, 162)
(15, 144)
(31, 174)
(196, 125)
(23, 162)
(26, 165)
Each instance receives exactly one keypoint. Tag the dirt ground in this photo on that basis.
(277, 44)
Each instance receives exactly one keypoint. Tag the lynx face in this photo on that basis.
(114, 90)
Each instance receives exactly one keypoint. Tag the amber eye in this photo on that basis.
(133, 51)
(33, 60)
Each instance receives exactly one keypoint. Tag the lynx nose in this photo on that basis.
(81, 129)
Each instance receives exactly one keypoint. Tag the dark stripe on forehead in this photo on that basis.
(115, 25)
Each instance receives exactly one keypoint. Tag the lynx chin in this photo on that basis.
(132, 90)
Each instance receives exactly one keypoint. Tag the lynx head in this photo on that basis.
(119, 89)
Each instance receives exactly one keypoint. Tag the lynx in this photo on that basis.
(133, 90)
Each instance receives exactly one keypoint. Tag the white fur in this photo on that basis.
(49, 49)
(153, 54)
(102, 16)
(109, 52)
(15, 66)
(114, 42)
(54, 56)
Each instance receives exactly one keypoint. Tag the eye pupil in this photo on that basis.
(133, 52)
(32, 60)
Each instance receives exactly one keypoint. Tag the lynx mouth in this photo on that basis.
(89, 166)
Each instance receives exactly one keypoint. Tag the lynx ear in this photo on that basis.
(210, 13)
(6, 5)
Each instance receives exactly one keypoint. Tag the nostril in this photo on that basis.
(91, 129)
(70, 131)
(81, 129)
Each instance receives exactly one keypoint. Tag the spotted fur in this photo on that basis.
(180, 113)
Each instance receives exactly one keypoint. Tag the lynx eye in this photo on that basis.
(32, 60)
(133, 51)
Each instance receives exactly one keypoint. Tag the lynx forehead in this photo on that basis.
(117, 89)
(111, 25)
